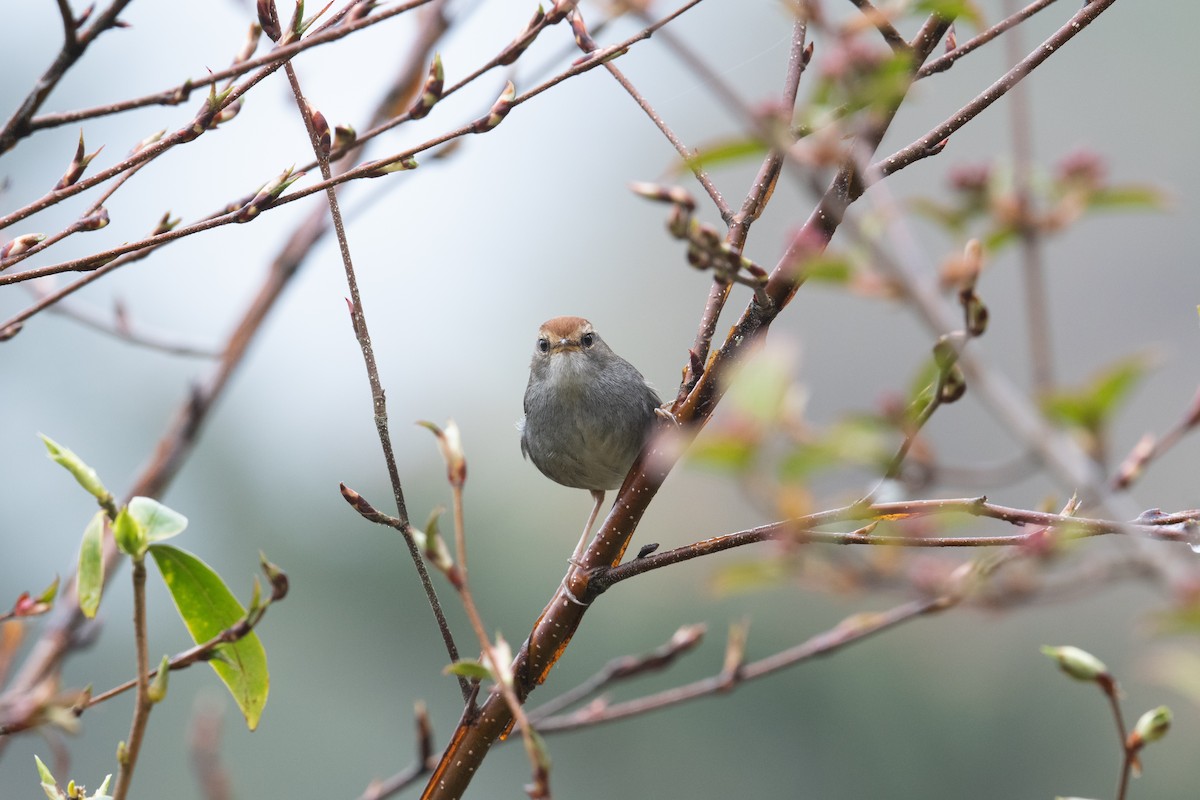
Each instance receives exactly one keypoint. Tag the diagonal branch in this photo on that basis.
(932, 142)
(74, 45)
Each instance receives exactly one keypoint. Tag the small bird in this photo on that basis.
(587, 412)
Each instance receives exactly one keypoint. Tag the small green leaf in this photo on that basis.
(829, 268)
(1153, 725)
(724, 450)
(86, 476)
(759, 385)
(1079, 664)
(750, 576)
(129, 535)
(157, 691)
(1092, 406)
(158, 521)
(207, 608)
(49, 785)
(90, 579)
(724, 152)
(1129, 196)
(468, 668)
(49, 593)
(959, 10)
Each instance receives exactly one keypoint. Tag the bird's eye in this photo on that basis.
(588, 339)
(543, 345)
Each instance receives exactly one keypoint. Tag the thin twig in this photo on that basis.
(1183, 526)
(424, 762)
(379, 401)
(930, 143)
(74, 45)
(330, 32)
(560, 619)
(142, 702)
(370, 169)
(624, 668)
(882, 24)
(849, 632)
(944, 63)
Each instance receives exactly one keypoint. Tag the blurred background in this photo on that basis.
(459, 262)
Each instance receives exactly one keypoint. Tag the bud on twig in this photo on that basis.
(499, 110)
(267, 195)
(20, 244)
(381, 168)
(344, 136)
(149, 140)
(1150, 727)
(450, 443)
(522, 42)
(268, 19)
(320, 129)
(432, 92)
(157, 690)
(78, 164)
(95, 221)
(1079, 664)
(251, 44)
(359, 10)
(165, 224)
(227, 113)
(277, 577)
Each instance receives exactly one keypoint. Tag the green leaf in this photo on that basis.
(75, 465)
(468, 668)
(829, 268)
(49, 785)
(958, 10)
(751, 576)
(1129, 196)
(129, 535)
(158, 521)
(207, 608)
(727, 451)
(724, 152)
(90, 579)
(856, 441)
(758, 387)
(1091, 406)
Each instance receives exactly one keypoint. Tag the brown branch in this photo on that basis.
(436, 25)
(369, 169)
(944, 63)
(58, 637)
(1180, 527)
(623, 668)
(764, 182)
(554, 628)
(74, 45)
(127, 760)
(425, 761)
(331, 31)
(882, 24)
(589, 46)
(851, 630)
(931, 143)
(119, 328)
